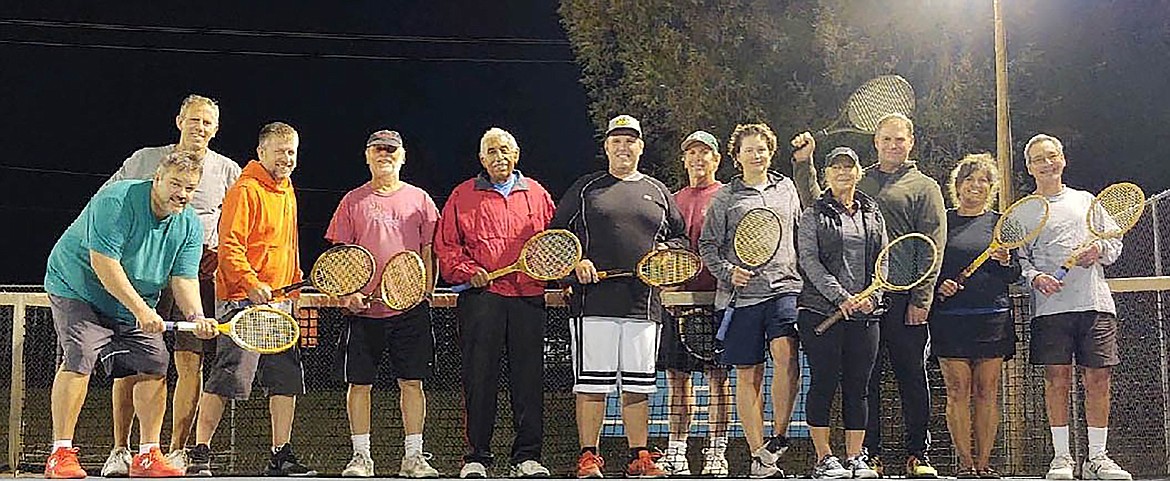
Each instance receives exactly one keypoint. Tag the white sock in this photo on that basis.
(1097, 437)
(413, 443)
(361, 443)
(276, 449)
(718, 443)
(1060, 440)
(679, 447)
(62, 443)
(145, 447)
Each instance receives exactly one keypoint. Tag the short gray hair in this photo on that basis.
(196, 99)
(180, 161)
(1036, 139)
(496, 132)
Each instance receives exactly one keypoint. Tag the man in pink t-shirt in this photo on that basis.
(386, 216)
(700, 157)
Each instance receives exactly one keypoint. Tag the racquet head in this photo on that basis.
(404, 281)
(550, 255)
(757, 237)
(342, 270)
(696, 330)
(668, 267)
(263, 329)
(910, 260)
(1021, 222)
(877, 98)
(1115, 210)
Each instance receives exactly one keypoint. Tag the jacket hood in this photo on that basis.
(256, 170)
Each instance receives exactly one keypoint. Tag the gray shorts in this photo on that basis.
(234, 369)
(1089, 338)
(84, 337)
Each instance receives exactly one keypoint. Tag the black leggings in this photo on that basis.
(845, 354)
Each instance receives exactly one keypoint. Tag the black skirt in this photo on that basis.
(978, 336)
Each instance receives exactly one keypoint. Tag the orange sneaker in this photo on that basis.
(589, 465)
(645, 466)
(62, 464)
(153, 465)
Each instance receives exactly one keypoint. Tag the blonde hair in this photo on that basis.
(744, 130)
(194, 100)
(896, 117)
(277, 129)
(971, 165)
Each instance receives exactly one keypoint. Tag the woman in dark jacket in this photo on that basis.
(838, 240)
(972, 331)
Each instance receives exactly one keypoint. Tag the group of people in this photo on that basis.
(180, 232)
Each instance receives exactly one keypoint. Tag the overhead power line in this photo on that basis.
(282, 33)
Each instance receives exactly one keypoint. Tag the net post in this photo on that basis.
(1160, 317)
(16, 392)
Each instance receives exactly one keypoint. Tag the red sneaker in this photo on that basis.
(589, 465)
(62, 464)
(645, 466)
(153, 465)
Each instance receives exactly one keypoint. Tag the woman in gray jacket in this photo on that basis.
(840, 236)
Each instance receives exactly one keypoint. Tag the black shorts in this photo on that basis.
(977, 336)
(1089, 337)
(365, 340)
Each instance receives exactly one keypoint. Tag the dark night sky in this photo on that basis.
(86, 110)
(69, 108)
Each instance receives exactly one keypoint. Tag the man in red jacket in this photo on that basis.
(482, 227)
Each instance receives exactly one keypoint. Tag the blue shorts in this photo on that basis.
(754, 327)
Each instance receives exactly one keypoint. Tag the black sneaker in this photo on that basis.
(199, 461)
(284, 463)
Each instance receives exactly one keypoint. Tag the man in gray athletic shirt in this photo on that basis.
(198, 122)
(1075, 319)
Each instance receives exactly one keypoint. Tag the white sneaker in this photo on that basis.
(715, 463)
(473, 470)
(1101, 467)
(761, 469)
(178, 459)
(361, 465)
(674, 463)
(1060, 468)
(118, 464)
(529, 469)
(830, 468)
(416, 466)
(860, 468)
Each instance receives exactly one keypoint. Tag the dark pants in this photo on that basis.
(489, 324)
(907, 347)
(844, 355)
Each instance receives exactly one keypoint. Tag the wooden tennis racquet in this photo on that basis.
(756, 240)
(1113, 213)
(404, 281)
(1019, 225)
(340, 271)
(873, 100)
(261, 329)
(903, 264)
(546, 256)
(661, 267)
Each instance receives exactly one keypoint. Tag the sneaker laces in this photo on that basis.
(1103, 461)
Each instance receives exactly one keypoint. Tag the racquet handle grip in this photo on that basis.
(461, 287)
(1060, 273)
(179, 325)
(828, 322)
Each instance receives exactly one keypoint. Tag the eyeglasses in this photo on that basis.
(1050, 158)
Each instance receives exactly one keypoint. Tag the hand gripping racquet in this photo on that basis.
(1113, 213)
(546, 256)
(756, 240)
(903, 264)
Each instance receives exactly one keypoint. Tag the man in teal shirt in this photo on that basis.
(104, 277)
